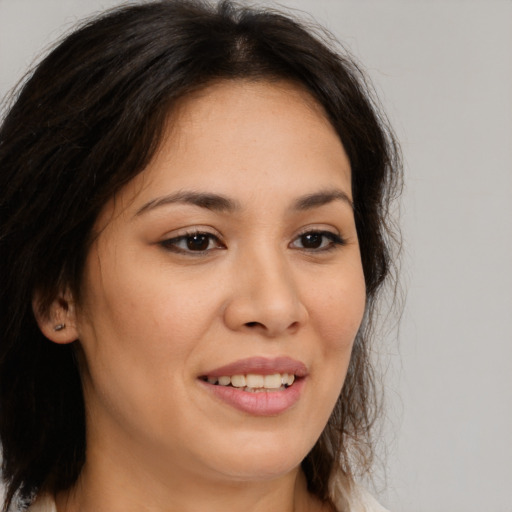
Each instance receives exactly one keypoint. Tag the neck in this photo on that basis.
(105, 486)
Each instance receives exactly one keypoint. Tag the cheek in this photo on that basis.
(140, 303)
(148, 328)
(338, 312)
(137, 334)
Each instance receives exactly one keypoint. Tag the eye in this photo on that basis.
(196, 242)
(317, 241)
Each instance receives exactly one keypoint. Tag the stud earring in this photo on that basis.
(59, 327)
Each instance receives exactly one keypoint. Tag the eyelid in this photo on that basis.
(170, 242)
(336, 238)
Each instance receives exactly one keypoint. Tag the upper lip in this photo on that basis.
(260, 366)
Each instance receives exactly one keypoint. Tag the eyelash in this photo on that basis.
(335, 240)
(171, 244)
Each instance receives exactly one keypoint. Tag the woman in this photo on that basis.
(193, 222)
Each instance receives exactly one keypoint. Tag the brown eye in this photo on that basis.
(312, 240)
(317, 241)
(198, 243)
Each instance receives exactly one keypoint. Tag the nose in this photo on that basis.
(264, 298)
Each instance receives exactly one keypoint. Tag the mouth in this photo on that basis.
(254, 383)
(258, 386)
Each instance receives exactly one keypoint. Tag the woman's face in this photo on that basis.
(231, 259)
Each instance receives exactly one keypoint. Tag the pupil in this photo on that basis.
(312, 240)
(198, 242)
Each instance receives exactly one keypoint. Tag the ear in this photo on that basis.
(58, 322)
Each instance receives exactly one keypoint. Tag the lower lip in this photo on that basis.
(265, 403)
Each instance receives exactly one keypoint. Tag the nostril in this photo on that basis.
(294, 326)
(252, 324)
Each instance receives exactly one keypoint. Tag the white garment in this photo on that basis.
(44, 503)
(360, 500)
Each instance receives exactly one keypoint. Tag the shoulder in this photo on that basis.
(43, 503)
(365, 502)
(353, 498)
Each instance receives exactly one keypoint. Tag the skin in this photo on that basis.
(156, 315)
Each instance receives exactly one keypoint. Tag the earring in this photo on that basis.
(59, 327)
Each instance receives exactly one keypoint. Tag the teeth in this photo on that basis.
(238, 381)
(254, 382)
(272, 381)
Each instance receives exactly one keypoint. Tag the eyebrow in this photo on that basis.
(321, 198)
(219, 203)
(213, 202)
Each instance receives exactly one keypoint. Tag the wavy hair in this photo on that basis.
(87, 120)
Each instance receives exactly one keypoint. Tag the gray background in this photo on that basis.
(443, 70)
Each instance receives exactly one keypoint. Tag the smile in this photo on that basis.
(258, 386)
(254, 383)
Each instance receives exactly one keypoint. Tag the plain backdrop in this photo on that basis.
(443, 70)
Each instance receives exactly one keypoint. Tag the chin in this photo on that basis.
(260, 457)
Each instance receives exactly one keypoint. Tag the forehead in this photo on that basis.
(248, 106)
(236, 137)
(242, 94)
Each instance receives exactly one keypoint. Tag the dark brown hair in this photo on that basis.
(85, 122)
